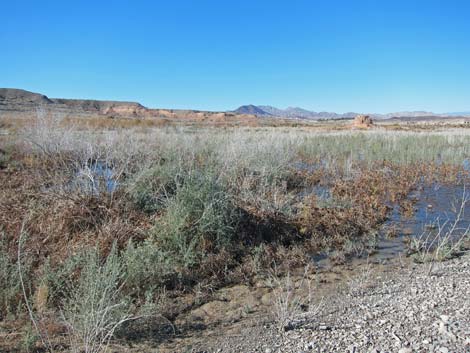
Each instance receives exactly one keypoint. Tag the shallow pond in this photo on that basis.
(433, 207)
(436, 206)
(95, 177)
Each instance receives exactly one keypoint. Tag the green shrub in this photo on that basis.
(152, 186)
(147, 268)
(28, 339)
(201, 216)
(6, 156)
(11, 295)
(59, 279)
(96, 306)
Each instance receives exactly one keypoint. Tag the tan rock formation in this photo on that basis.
(363, 121)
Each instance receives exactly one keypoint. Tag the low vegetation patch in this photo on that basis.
(191, 207)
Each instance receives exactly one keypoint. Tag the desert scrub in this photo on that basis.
(11, 293)
(147, 269)
(29, 340)
(195, 202)
(200, 217)
(152, 186)
(5, 157)
(59, 279)
(95, 296)
(96, 305)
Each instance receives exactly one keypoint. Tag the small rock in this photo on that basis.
(405, 350)
(310, 345)
(442, 328)
(351, 349)
(445, 318)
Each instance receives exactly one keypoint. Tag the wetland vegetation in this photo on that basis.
(102, 228)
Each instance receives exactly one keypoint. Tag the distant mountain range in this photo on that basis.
(459, 114)
(300, 113)
(290, 113)
(19, 102)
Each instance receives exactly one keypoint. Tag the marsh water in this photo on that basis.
(434, 207)
(95, 177)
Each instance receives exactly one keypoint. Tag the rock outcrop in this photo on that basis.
(363, 121)
(24, 102)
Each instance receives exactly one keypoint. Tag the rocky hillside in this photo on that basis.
(252, 109)
(12, 99)
(104, 107)
(21, 103)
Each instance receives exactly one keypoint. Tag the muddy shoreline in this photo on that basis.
(397, 307)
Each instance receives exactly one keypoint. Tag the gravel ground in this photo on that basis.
(405, 310)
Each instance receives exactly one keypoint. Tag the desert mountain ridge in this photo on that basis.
(300, 113)
(21, 102)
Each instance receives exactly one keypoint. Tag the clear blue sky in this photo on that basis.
(364, 56)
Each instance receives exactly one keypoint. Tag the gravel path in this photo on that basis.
(407, 310)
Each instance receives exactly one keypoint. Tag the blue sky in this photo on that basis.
(364, 56)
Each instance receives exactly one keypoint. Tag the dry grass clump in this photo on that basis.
(293, 301)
